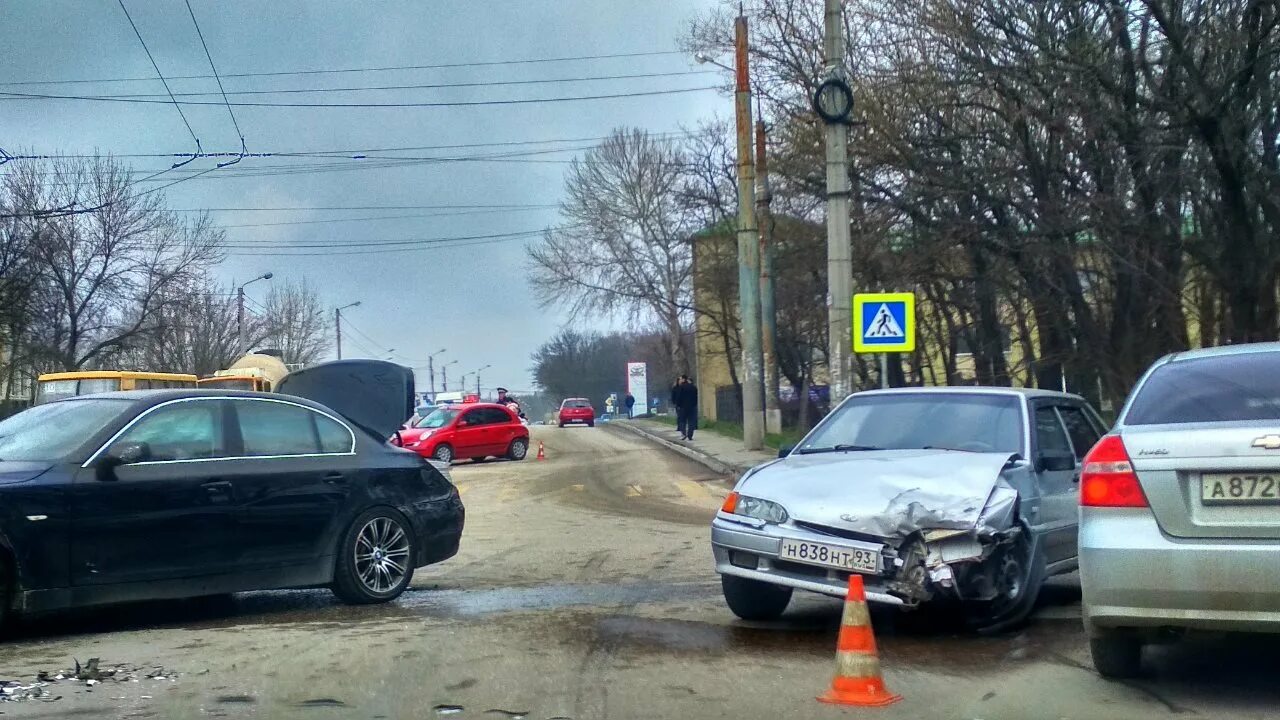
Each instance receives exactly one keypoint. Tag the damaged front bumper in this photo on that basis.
(963, 564)
(754, 553)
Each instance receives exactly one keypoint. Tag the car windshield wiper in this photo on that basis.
(838, 448)
(950, 449)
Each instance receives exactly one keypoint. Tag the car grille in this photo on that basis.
(838, 532)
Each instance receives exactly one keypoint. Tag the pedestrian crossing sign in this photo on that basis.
(884, 322)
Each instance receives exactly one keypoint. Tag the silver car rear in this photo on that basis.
(1180, 516)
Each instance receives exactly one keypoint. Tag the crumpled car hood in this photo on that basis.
(885, 493)
(13, 471)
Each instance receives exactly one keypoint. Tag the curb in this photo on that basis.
(708, 461)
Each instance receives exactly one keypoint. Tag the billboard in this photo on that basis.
(638, 385)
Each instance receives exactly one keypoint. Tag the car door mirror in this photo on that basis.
(1055, 462)
(122, 454)
(785, 450)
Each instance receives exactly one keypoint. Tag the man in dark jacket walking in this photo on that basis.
(684, 398)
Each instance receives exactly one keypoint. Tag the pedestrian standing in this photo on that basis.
(684, 398)
(630, 402)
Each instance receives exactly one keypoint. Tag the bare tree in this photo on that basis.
(107, 267)
(624, 244)
(195, 331)
(295, 323)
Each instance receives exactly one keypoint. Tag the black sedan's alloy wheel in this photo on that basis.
(376, 560)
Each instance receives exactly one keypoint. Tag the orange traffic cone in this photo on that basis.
(857, 680)
(542, 453)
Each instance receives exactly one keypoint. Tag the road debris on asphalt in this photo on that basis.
(90, 674)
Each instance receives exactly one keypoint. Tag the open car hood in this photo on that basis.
(374, 394)
(889, 493)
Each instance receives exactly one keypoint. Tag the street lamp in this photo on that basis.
(337, 324)
(486, 367)
(444, 375)
(704, 59)
(431, 372)
(240, 312)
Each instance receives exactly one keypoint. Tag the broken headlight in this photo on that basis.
(766, 510)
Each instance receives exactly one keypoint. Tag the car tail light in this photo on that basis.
(1108, 479)
(730, 503)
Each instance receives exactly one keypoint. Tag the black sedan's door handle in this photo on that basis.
(335, 478)
(219, 491)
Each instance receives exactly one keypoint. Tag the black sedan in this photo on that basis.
(181, 493)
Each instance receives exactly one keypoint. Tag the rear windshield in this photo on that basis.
(1214, 389)
(578, 403)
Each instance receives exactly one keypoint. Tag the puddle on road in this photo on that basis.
(470, 603)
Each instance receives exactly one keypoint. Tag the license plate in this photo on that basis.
(1239, 488)
(833, 556)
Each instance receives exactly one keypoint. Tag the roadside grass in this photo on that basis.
(734, 430)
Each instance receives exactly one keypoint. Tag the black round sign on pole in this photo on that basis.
(833, 101)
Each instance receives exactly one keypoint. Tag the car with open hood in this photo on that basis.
(931, 494)
(160, 494)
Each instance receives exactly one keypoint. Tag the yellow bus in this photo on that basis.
(55, 386)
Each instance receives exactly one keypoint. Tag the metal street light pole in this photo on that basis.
(240, 344)
(444, 375)
(337, 324)
(486, 367)
(431, 372)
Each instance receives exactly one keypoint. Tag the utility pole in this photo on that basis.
(240, 342)
(337, 330)
(768, 313)
(480, 370)
(839, 251)
(431, 372)
(444, 376)
(748, 251)
(337, 325)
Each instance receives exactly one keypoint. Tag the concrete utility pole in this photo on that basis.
(480, 370)
(241, 348)
(444, 376)
(768, 313)
(337, 325)
(839, 251)
(748, 252)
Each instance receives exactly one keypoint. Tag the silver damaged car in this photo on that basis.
(966, 495)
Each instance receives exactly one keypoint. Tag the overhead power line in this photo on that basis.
(428, 86)
(342, 243)
(225, 101)
(328, 208)
(369, 218)
(460, 103)
(664, 135)
(331, 71)
(159, 74)
(349, 253)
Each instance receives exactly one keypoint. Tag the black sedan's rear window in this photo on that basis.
(1212, 389)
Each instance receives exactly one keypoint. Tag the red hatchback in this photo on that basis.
(468, 432)
(576, 410)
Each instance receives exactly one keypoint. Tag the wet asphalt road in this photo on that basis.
(584, 590)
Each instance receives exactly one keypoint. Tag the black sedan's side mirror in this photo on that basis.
(1055, 462)
(122, 454)
(785, 450)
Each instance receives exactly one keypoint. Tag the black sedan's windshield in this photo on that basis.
(959, 421)
(437, 419)
(47, 433)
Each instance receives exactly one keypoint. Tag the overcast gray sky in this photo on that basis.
(471, 299)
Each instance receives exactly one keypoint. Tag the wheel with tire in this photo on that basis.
(754, 600)
(1116, 654)
(376, 559)
(562, 426)
(519, 449)
(443, 453)
(591, 423)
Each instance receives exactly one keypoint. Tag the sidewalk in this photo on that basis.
(719, 453)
